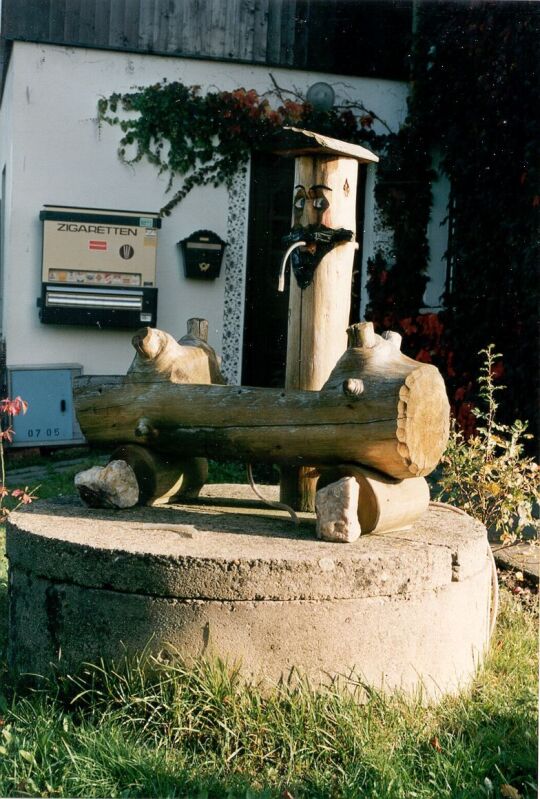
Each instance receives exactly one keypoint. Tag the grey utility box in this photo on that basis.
(50, 420)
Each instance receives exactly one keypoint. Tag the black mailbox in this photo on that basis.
(203, 253)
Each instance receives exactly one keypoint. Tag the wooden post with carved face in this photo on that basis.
(324, 219)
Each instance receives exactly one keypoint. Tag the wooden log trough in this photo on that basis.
(378, 408)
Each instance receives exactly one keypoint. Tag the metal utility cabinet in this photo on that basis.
(99, 267)
(50, 419)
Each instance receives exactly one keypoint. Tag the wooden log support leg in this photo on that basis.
(163, 478)
(136, 475)
(384, 503)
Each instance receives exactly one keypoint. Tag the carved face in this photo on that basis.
(310, 207)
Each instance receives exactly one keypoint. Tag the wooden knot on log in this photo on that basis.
(145, 429)
(362, 334)
(353, 387)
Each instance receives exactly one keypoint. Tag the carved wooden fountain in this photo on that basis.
(368, 406)
(378, 409)
(183, 566)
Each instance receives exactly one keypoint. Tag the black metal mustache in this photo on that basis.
(305, 262)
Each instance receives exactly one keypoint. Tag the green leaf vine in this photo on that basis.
(206, 138)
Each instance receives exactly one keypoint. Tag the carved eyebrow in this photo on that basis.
(320, 186)
(300, 187)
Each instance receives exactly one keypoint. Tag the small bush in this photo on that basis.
(487, 474)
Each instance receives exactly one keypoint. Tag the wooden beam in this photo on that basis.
(398, 425)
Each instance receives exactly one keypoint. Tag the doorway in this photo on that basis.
(265, 315)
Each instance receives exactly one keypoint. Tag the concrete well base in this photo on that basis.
(407, 610)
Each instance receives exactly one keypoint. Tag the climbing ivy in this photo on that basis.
(206, 138)
(474, 102)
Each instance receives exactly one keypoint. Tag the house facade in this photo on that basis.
(59, 59)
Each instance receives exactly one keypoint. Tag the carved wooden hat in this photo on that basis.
(299, 142)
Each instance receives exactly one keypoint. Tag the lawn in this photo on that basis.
(169, 731)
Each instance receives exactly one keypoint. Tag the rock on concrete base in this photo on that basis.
(111, 486)
(403, 610)
(336, 506)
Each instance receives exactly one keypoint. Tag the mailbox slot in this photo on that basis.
(203, 254)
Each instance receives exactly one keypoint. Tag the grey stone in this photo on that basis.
(336, 507)
(111, 486)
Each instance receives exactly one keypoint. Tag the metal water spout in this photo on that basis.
(281, 283)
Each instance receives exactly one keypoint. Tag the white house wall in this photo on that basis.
(61, 157)
(6, 170)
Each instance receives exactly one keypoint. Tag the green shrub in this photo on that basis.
(488, 474)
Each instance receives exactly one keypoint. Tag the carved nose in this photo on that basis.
(310, 215)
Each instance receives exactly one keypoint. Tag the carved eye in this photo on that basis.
(320, 203)
(299, 203)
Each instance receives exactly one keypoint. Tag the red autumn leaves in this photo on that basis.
(12, 407)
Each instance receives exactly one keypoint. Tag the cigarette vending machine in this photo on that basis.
(98, 267)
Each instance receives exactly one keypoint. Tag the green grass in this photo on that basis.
(160, 729)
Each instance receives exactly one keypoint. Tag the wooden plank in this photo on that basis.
(221, 17)
(131, 24)
(201, 21)
(174, 25)
(273, 41)
(102, 22)
(147, 9)
(72, 20)
(260, 31)
(194, 37)
(320, 46)
(36, 20)
(235, 32)
(9, 19)
(115, 36)
(244, 30)
(161, 30)
(87, 20)
(183, 21)
(56, 20)
(301, 33)
(288, 24)
(309, 34)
